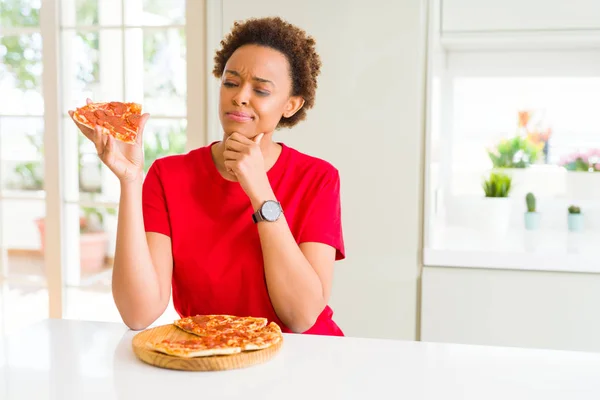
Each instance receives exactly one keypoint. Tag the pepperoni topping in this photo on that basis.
(120, 119)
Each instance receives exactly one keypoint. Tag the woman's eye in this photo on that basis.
(228, 84)
(261, 92)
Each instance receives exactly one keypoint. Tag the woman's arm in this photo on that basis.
(143, 262)
(141, 282)
(299, 277)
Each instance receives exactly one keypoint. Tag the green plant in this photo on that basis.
(30, 172)
(574, 210)
(530, 200)
(93, 219)
(163, 144)
(498, 185)
(30, 175)
(518, 152)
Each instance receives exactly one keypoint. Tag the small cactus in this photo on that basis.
(574, 210)
(530, 200)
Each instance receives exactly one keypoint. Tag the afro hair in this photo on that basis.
(291, 41)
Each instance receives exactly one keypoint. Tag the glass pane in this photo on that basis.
(557, 116)
(91, 297)
(22, 237)
(21, 153)
(154, 12)
(97, 183)
(163, 138)
(161, 55)
(91, 12)
(97, 229)
(21, 74)
(20, 13)
(92, 66)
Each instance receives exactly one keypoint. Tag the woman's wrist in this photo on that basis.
(132, 183)
(257, 199)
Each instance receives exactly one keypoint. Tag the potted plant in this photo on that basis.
(532, 217)
(575, 219)
(514, 157)
(517, 152)
(93, 239)
(582, 181)
(498, 206)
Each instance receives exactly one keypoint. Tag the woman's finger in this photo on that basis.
(109, 151)
(229, 167)
(234, 145)
(231, 155)
(238, 137)
(141, 126)
(99, 140)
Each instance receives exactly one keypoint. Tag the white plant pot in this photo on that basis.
(498, 215)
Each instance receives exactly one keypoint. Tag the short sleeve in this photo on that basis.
(154, 203)
(323, 221)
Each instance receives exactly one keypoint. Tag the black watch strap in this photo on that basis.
(257, 217)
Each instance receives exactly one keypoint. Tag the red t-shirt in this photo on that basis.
(217, 258)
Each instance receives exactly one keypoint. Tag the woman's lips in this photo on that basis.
(239, 116)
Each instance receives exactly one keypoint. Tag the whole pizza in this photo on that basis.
(120, 120)
(219, 335)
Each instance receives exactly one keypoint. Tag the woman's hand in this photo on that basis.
(244, 160)
(125, 160)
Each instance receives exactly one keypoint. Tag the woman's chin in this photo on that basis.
(245, 133)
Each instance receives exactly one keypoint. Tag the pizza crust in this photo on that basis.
(173, 349)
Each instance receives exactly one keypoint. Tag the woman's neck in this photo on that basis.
(268, 147)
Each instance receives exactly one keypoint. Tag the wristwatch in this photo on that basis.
(270, 211)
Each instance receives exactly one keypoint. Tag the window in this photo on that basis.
(134, 50)
(562, 111)
(530, 115)
(21, 158)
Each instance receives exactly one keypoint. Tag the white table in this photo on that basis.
(64, 359)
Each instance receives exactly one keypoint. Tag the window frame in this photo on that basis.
(60, 210)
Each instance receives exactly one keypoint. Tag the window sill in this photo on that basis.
(542, 250)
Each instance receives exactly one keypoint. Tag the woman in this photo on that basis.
(244, 226)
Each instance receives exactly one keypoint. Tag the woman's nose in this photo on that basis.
(242, 96)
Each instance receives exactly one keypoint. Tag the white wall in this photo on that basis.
(511, 308)
(519, 15)
(368, 121)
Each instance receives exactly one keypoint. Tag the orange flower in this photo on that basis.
(524, 117)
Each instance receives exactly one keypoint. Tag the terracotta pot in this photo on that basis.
(92, 248)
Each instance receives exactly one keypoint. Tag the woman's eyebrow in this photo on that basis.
(256, 78)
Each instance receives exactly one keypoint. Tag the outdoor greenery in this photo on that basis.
(21, 65)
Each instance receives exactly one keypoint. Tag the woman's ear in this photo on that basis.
(294, 103)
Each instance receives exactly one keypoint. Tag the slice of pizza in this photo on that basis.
(198, 347)
(202, 325)
(220, 343)
(120, 120)
(262, 339)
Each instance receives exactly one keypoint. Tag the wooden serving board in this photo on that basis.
(213, 363)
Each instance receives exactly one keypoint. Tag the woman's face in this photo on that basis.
(256, 91)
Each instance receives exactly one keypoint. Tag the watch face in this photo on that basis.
(271, 210)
